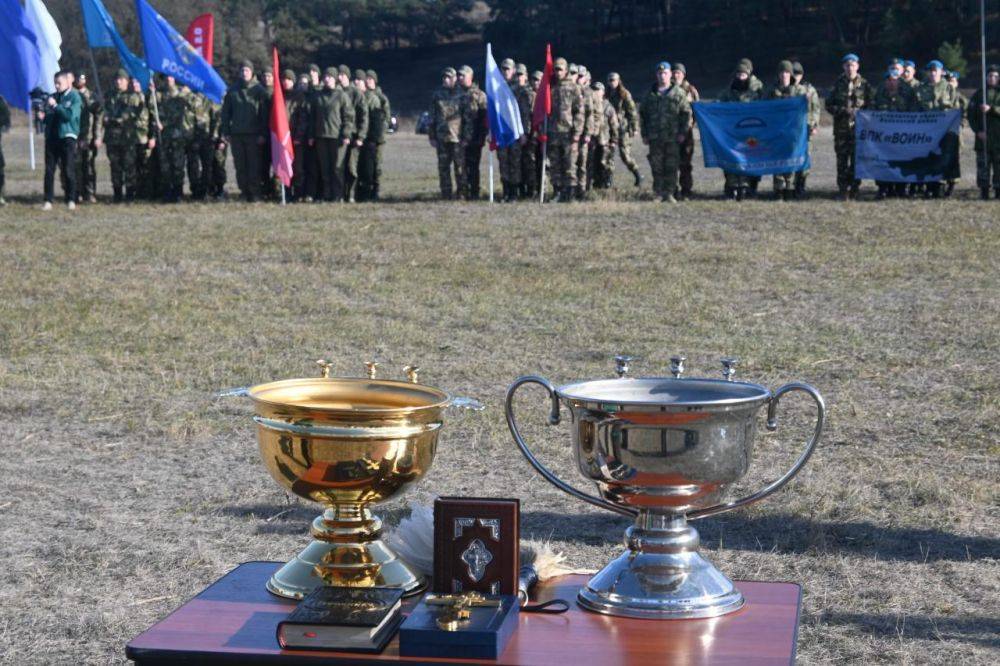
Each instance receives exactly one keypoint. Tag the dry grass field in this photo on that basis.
(126, 488)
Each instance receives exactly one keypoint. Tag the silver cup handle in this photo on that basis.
(553, 420)
(772, 425)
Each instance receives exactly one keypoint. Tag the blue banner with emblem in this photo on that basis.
(169, 53)
(755, 138)
(907, 146)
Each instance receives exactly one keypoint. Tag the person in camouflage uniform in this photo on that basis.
(244, 127)
(737, 186)
(784, 86)
(565, 125)
(332, 129)
(124, 124)
(4, 127)
(850, 94)
(591, 121)
(201, 148)
(150, 182)
(177, 119)
(757, 86)
(621, 99)
(893, 94)
(665, 116)
(814, 111)
(604, 143)
(987, 103)
(955, 173)
(509, 158)
(297, 108)
(354, 89)
(268, 184)
(312, 187)
(934, 94)
(445, 133)
(530, 151)
(473, 131)
(88, 142)
(217, 180)
(686, 178)
(379, 117)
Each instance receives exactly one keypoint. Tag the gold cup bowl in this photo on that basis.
(347, 443)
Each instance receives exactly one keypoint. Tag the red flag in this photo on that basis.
(282, 152)
(201, 35)
(543, 101)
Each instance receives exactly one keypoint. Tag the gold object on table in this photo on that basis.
(457, 608)
(347, 443)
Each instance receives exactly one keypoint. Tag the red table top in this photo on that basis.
(234, 621)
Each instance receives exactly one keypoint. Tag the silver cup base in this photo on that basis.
(655, 586)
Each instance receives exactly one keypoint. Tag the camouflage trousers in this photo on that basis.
(369, 171)
(686, 177)
(3, 166)
(124, 166)
(217, 182)
(530, 174)
(582, 160)
(664, 161)
(562, 162)
(148, 179)
(510, 164)
(987, 168)
(351, 160)
(173, 162)
(602, 165)
(86, 171)
(332, 156)
(800, 176)
(843, 146)
(449, 165)
(625, 151)
(472, 155)
(200, 153)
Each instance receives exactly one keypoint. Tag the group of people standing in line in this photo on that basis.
(591, 120)
(339, 121)
(155, 139)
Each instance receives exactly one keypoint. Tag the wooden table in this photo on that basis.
(233, 621)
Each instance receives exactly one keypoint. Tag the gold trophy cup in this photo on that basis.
(347, 443)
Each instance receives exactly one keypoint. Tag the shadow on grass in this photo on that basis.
(782, 533)
(980, 629)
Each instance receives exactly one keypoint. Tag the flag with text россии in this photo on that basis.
(169, 53)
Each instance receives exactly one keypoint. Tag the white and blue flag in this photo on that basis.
(907, 146)
(49, 43)
(501, 105)
(755, 138)
(169, 53)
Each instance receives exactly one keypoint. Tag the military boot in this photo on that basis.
(800, 187)
(984, 193)
(118, 195)
(883, 192)
(949, 188)
(638, 179)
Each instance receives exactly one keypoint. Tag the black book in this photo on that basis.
(353, 619)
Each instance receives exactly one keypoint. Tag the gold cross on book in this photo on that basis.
(457, 608)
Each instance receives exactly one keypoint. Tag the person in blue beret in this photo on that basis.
(849, 94)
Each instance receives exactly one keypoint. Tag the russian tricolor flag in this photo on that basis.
(501, 105)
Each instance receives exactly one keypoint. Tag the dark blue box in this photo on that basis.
(484, 637)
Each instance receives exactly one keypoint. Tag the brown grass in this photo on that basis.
(127, 489)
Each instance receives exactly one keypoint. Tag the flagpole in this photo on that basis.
(156, 108)
(545, 148)
(97, 76)
(491, 175)
(31, 141)
(282, 194)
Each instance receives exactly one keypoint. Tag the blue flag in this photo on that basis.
(102, 33)
(19, 54)
(169, 53)
(755, 138)
(501, 105)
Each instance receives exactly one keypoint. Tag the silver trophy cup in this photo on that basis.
(664, 451)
